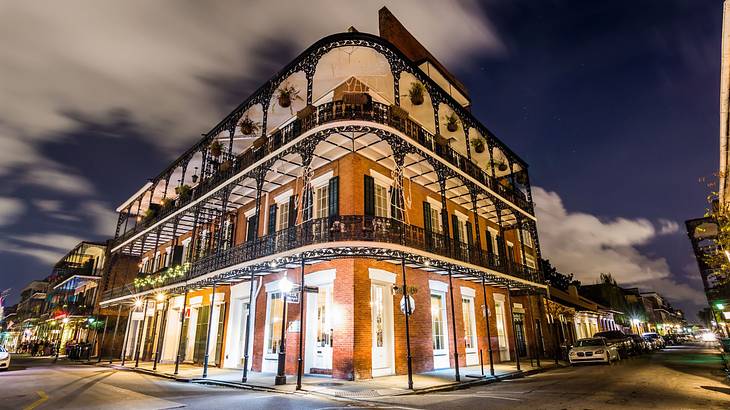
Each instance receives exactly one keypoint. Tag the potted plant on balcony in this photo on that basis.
(415, 93)
(452, 122)
(166, 203)
(288, 93)
(183, 191)
(249, 126)
(216, 148)
(398, 112)
(478, 144)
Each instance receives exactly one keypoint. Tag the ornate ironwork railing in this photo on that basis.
(336, 229)
(323, 114)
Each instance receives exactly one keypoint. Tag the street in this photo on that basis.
(687, 377)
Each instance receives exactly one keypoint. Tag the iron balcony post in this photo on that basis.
(207, 337)
(514, 328)
(453, 329)
(489, 334)
(300, 365)
(406, 298)
(281, 368)
(141, 334)
(180, 340)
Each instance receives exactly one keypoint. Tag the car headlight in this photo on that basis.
(4, 355)
(600, 351)
(572, 353)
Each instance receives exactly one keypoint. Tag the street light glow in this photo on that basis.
(138, 303)
(285, 285)
(65, 320)
(160, 297)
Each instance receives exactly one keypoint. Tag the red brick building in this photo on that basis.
(359, 168)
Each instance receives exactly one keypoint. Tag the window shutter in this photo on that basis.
(369, 196)
(272, 219)
(490, 248)
(469, 234)
(334, 196)
(427, 216)
(455, 227)
(292, 211)
(251, 228)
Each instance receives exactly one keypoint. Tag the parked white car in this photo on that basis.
(4, 359)
(593, 350)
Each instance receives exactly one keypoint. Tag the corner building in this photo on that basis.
(358, 170)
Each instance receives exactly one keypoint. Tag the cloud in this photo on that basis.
(10, 209)
(102, 216)
(586, 245)
(48, 248)
(54, 177)
(149, 59)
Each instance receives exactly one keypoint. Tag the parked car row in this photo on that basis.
(612, 345)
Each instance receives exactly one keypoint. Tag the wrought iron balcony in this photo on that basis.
(324, 114)
(341, 229)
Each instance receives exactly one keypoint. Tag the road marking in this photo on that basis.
(43, 398)
(486, 396)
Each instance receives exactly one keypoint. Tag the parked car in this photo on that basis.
(658, 341)
(4, 359)
(593, 349)
(623, 342)
(640, 344)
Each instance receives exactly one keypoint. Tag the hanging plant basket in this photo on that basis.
(452, 122)
(249, 126)
(287, 94)
(415, 93)
(478, 145)
(522, 178)
(183, 191)
(501, 166)
(216, 149)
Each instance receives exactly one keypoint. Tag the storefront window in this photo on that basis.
(467, 308)
(274, 320)
(437, 322)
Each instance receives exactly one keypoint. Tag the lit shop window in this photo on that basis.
(274, 322)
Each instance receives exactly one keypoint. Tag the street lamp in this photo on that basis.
(285, 287)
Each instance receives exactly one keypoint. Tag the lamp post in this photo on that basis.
(60, 338)
(284, 287)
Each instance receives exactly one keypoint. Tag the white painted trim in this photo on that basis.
(284, 196)
(219, 298)
(469, 292)
(382, 179)
(380, 275)
(320, 278)
(461, 216)
(322, 180)
(498, 297)
(249, 213)
(273, 286)
(434, 203)
(197, 300)
(438, 285)
(134, 196)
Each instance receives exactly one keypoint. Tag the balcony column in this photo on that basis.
(231, 131)
(453, 329)
(300, 356)
(522, 247)
(474, 199)
(167, 184)
(466, 139)
(490, 148)
(396, 84)
(224, 208)
(207, 335)
(486, 319)
(309, 74)
(154, 335)
(114, 335)
(260, 179)
(120, 222)
(141, 334)
(444, 209)
(265, 101)
(184, 170)
(194, 236)
(244, 378)
(407, 300)
(126, 219)
(204, 163)
(157, 248)
(180, 339)
(501, 244)
(138, 219)
(514, 328)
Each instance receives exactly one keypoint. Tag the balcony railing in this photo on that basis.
(343, 229)
(324, 114)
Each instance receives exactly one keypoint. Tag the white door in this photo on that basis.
(382, 330)
(242, 333)
(501, 330)
(319, 331)
(192, 328)
(470, 331)
(439, 333)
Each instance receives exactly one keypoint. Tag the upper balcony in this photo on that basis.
(322, 237)
(347, 76)
(223, 166)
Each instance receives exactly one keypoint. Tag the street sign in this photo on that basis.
(292, 297)
(403, 304)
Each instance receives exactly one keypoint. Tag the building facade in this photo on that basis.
(353, 187)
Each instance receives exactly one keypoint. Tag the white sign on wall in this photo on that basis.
(403, 304)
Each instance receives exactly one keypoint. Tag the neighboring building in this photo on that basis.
(31, 307)
(72, 295)
(9, 328)
(358, 166)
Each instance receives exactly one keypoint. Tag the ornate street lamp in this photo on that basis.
(285, 287)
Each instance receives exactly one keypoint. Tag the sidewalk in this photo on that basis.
(436, 380)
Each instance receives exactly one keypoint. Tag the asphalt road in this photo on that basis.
(676, 378)
(687, 377)
(39, 384)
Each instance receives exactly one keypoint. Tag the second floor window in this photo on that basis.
(321, 196)
(381, 201)
(282, 220)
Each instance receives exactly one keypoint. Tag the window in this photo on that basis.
(495, 241)
(381, 201)
(282, 220)
(156, 263)
(436, 221)
(321, 196)
(168, 256)
(437, 322)
(274, 322)
(530, 261)
(463, 235)
(145, 264)
(527, 238)
(227, 233)
(203, 242)
(467, 308)
(186, 251)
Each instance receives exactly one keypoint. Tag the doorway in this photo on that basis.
(382, 329)
(318, 358)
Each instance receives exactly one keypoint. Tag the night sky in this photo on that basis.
(613, 104)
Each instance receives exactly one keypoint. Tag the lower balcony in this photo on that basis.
(332, 230)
